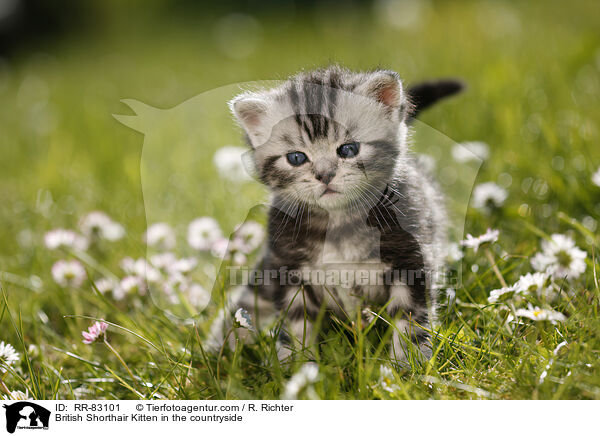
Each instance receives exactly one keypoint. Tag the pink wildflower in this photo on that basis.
(95, 333)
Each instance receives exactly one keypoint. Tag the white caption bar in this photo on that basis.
(308, 418)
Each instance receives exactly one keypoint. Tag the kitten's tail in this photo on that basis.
(422, 95)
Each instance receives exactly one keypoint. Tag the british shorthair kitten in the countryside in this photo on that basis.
(356, 226)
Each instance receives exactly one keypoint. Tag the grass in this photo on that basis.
(534, 87)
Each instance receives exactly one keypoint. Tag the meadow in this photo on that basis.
(532, 71)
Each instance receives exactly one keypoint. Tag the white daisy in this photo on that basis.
(68, 273)
(160, 236)
(248, 237)
(454, 252)
(17, 396)
(8, 356)
(537, 314)
(197, 295)
(163, 261)
(502, 294)
(596, 178)
(183, 266)
(489, 237)
(243, 319)
(560, 258)
(203, 232)
(536, 283)
(129, 285)
(97, 224)
(386, 379)
(174, 285)
(230, 165)
(220, 248)
(104, 285)
(62, 238)
(488, 196)
(468, 151)
(140, 268)
(239, 258)
(302, 381)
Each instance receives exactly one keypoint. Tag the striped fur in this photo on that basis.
(385, 216)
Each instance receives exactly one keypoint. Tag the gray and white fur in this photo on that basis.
(368, 206)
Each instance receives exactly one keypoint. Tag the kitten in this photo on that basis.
(354, 220)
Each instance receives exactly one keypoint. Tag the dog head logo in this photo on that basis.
(26, 415)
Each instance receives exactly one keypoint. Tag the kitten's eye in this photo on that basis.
(296, 158)
(348, 150)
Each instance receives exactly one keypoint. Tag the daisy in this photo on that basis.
(243, 319)
(248, 237)
(61, 238)
(129, 285)
(386, 379)
(560, 258)
(536, 283)
(197, 295)
(220, 248)
(95, 333)
(454, 252)
(160, 236)
(173, 286)
(469, 151)
(163, 261)
(99, 225)
(537, 314)
(489, 196)
(596, 178)
(203, 232)
(141, 268)
(302, 381)
(8, 356)
(239, 258)
(183, 266)
(489, 237)
(104, 285)
(17, 396)
(229, 162)
(502, 294)
(68, 273)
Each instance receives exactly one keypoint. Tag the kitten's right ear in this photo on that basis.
(251, 112)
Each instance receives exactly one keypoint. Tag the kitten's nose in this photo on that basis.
(325, 177)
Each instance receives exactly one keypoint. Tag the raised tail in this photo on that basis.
(422, 95)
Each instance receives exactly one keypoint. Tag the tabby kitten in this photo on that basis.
(354, 223)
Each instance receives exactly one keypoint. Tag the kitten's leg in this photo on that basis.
(261, 310)
(408, 337)
(300, 313)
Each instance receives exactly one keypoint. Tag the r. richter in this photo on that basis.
(276, 408)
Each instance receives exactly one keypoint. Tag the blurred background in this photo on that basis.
(531, 69)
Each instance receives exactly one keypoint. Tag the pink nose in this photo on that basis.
(325, 177)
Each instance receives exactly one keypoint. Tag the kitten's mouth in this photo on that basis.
(329, 191)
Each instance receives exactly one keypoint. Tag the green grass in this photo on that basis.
(533, 74)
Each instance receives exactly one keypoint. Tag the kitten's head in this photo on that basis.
(329, 138)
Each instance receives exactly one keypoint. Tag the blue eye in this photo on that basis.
(296, 158)
(348, 150)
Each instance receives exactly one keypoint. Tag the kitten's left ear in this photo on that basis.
(385, 87)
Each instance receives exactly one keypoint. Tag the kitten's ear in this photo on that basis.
(385, 87)
(251, 112)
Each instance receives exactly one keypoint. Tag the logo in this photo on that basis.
(26, 415)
